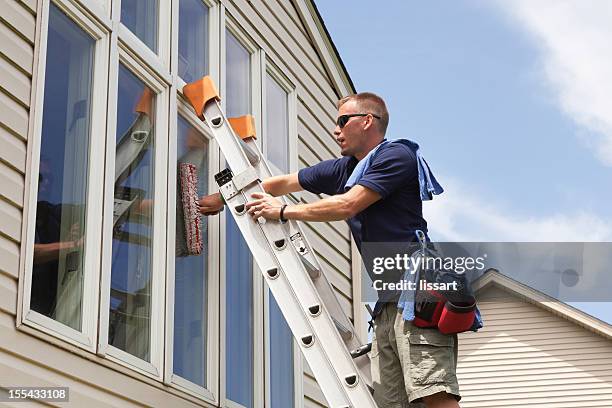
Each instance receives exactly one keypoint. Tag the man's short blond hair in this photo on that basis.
(369, 102)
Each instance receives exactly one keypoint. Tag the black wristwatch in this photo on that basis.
(281, 218)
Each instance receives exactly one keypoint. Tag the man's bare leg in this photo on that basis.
(440, 400)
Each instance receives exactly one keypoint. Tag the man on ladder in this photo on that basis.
(377, 187)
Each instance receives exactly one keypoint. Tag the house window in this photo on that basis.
(131, 270)
(58, 261)
(141, 17)
(106, 265)
(239, 262)
(280, 348)
(193, 39)
(190, 269)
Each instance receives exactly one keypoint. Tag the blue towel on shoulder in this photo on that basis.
(427, 182)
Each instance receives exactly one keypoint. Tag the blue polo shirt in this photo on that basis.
(393, 174)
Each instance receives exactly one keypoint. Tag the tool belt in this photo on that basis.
(450, 311)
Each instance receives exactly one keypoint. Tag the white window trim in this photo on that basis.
(289, 87)
(159, 61)
(153, 369)
(226, 22)
(209, 392)
(88, 337)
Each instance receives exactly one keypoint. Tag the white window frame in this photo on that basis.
(87, 338)
(160, 60)
(288, 86)
(208, 393)
(122, 55)
(227, 22)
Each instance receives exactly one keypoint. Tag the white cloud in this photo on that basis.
(575, 38)
(464, 215)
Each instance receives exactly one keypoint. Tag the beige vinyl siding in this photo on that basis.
(16, 53)
(528, 357)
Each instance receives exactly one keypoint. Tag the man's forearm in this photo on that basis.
(281, 185)
(335, 208)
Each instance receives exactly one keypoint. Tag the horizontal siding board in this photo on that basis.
(340, 226)
(526, 356)
(313, 391)
(9, 257)
(317, 136)
(284, 27)
(292, 12)
(13, 116)
(10, 221)
(8, 295)
(13, 150)
(16, 49)
(30, 4)
(86, 375)
(15, 82)
(305, 153)
(19, 18)
(11, 185)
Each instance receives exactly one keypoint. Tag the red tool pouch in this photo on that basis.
(457, 318)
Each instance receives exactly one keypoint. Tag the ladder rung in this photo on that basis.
(345, 332)
(361, 350)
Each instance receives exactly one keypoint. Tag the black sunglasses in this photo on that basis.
(343, 119)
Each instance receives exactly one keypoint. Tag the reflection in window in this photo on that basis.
(130, 302)
(239, 267)
(190, 300)
(238, 82)
(281, 358)
(193, 40)
(280, 348)
(140, 16)
(57, 276)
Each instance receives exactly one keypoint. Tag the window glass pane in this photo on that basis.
(277, 124)
(190, 296)
(239, 270)
(239, 317)
(130, 303)
(238, 82)
(280, 349)
(193, 40)
(140, 16)
(281, 358)
(57, 275)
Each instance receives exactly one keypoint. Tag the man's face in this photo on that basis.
(352, 136)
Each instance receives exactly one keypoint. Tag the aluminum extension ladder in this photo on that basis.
(287, 261)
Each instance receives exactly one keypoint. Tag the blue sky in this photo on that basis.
(510, 101)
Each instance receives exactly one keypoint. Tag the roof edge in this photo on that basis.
(542, 300)
(325, 46)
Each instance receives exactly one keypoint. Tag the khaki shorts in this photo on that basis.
(409, 362)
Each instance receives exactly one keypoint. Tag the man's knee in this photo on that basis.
(440, 400)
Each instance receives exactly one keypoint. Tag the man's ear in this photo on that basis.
(369, 121)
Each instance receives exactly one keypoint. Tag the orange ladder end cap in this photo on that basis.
(244, 126)
(145, 103)
(200, 92)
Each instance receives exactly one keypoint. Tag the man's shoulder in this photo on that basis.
(396, 150)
